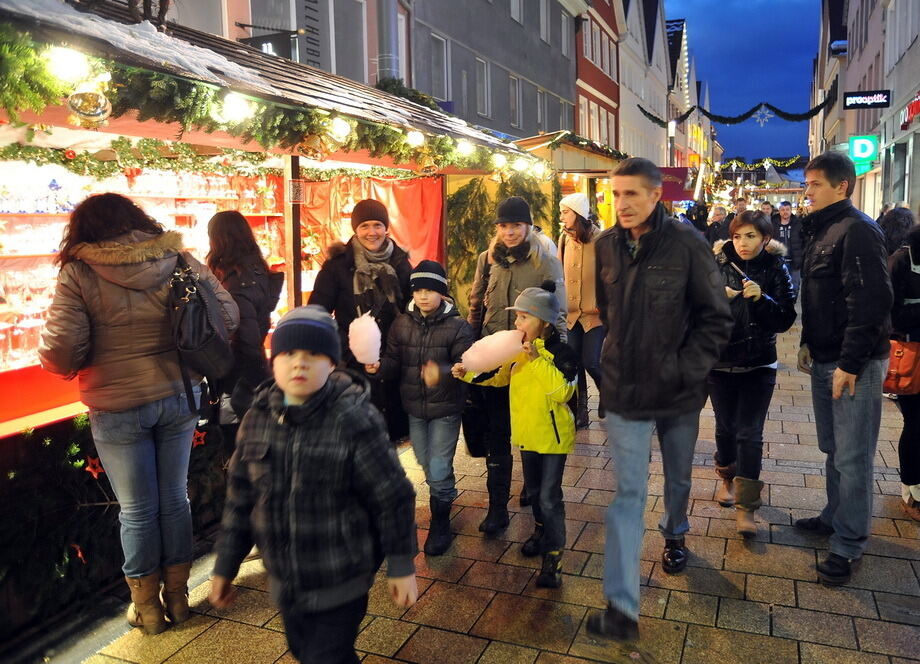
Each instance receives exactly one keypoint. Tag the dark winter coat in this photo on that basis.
(321, 491)
(794, 247)
(846, 290)
(753, 340)
(255, 291)
(905, 280)
(334, 291)
(667, 319)
(414, 339)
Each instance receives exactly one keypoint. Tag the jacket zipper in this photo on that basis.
(552, 416)
(421, 353)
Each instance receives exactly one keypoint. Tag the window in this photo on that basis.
(483, 88)
(544, 20)
(583, 116)
(541, 107)
(596, 38)
(586, 39)
(514, 100)
(566, 42)
(592, 112)
(602, 127)
(438, 67)
(403, 55)
(517, 10)
(566, 115)
(605, 55)
(613, 60)
(612, 130)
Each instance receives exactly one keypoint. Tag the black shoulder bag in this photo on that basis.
(198, 328)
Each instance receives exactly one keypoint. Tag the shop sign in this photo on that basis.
(866, 99)
(275, 43)
(693, 160)
(910, 112)
(863, 150)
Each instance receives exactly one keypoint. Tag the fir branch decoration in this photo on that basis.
(528, 189)
(395, 86)
(25, 83)
(470, 211)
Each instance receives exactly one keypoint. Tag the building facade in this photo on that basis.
(598, 72)
(827, 130)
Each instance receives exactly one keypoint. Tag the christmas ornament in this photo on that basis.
(70, 154)
(763, 115)
(199, 438)
(313, 148)
(94, 467)
(89, 106)
(427, 165)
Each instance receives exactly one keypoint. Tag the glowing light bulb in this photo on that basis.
(499, 160)
(465, 148)
(339, 129)
(67, 65)
(538, 170)
(521, 164)
(415, 139)
(234, 109)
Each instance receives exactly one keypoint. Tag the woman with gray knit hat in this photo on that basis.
(512, 263)
(370, 273)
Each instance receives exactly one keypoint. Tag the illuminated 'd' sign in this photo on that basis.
(863, 148)
(867, 99)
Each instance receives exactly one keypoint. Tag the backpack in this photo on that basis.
(198, 329)
(903, 375)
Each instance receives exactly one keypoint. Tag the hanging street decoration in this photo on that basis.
(763, 115)
(738, 165)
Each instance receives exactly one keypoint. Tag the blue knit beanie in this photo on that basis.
(308, 328)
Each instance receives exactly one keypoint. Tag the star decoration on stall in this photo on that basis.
(78, 551)
(763, 115)
(94, 467)
(200, 438)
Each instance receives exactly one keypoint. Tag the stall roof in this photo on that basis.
(569, 152)
(107, 30)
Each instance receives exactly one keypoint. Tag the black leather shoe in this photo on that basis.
(675, 555)
(613, 624)
(814, 525)
(836, 570)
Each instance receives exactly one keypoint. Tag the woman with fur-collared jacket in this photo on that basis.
(741, 384)
(513, 262)
(108, 326)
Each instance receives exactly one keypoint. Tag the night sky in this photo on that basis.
(751, 51)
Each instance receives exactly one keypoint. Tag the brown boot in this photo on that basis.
(724, 494)
(145, 609)
(747, 501)
(175, 591)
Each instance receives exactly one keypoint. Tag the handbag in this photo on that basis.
(198, 329)
(903, 375)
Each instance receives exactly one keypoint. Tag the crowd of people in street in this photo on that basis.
(661, 314)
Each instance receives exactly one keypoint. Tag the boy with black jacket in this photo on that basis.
(317, 485)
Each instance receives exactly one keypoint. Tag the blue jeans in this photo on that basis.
(630, 442)
(848, 433)
(145, 452)
(434, 443)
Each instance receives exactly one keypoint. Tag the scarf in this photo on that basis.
(375, 280)
(505, 256)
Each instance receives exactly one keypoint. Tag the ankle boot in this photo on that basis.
(531, 547)
(439, 535)
(551, 574)
(724, 494)
(747, 501)
(498, 482)
(175, 591)
(145, 609)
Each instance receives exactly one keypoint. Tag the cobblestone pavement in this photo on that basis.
(738, 601)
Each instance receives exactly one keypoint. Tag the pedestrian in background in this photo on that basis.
(846, 305)
(540, 379)
(108, 325)
(236, 260)
(586, 331)
(787, 229)
(422, 346)
(895, 225)
(368, 274)
(904, 266)
(762, 300)
(514, 261)
(717, 227)
(316, 484)
(667, 316)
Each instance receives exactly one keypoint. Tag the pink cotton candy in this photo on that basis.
(364, 339)
(493, 351)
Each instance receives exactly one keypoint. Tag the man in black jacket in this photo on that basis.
(663, 301)
(787, 228)
(846, 304)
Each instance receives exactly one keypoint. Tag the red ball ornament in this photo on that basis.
(70, 154)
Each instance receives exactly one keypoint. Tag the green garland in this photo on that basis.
(323, 175)
(145, 153)
(396, 86)
(580, 141)
(25, 83)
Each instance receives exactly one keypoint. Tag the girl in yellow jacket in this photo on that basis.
(542, 379)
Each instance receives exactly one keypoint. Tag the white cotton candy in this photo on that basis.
(493, 351)
(364, 339)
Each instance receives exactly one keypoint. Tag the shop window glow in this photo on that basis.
(68, 65)
(465, 148)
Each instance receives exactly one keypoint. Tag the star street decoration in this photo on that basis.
(763, 115)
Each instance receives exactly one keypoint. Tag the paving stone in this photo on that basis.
(229, 641)
(893, 547)
(700, 580)
(575, 590)
(707, 645)
(812, 653)
(792, 536)
(430, 646)
(908, 529)
(449, 606)
(770, 560)
(772, 477)
(477, 547)
(813, 626)
(583, 512)
(797, 497)
(886, 574)
(505, 653)
(798, 452)
(840, 599)
(652, 601)
(442, 568)
(136, 646)
(504, 578)
(692, 608)
(771, 590)
(660, 643)
(252, 574)
(555, 658)
(593, 478)
(528, 621)
(252, 607)
(384, 636)
(102, 659)
(591, 538)
(573, 562)
(744, 616)
(899, 608)
(888, 638)
(594, 567)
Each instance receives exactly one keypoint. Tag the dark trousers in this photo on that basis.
(740, 401)
(325, 637)
(498, 428)
(588, 347)
(909, 444)
(543, 481)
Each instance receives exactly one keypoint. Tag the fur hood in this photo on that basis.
(774, 247)
(135, 260)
